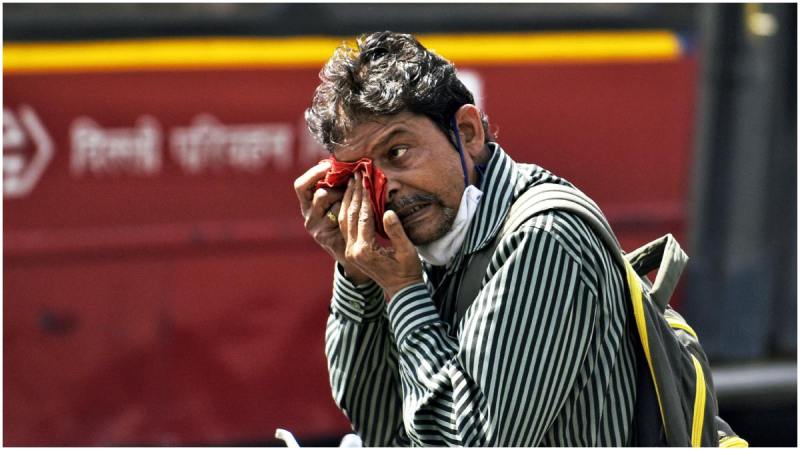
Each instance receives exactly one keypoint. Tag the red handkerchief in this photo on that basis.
(375, 181)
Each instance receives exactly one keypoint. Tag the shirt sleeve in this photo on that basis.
(362, 362)
(523, 340)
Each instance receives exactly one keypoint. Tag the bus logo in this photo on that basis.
(27, 150)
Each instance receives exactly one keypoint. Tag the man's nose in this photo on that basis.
(392, 187)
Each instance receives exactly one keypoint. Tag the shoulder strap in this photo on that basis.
(666, 364)
(664, 254)
(549, 196)
(534, 201)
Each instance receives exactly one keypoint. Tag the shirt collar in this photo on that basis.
(499, 186)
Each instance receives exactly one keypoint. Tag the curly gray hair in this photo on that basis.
(386, 74)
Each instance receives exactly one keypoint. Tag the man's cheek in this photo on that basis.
(417, 232)
(431, 228)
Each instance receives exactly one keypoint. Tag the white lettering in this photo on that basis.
(207, 145)
(114, 151)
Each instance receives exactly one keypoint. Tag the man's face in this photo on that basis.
(423, 172)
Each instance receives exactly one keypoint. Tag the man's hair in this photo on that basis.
(386, 74)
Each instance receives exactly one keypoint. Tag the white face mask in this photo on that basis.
(441, 251)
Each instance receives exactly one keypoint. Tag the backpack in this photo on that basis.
(676, 404)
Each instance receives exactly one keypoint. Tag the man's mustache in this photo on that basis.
(411, 200)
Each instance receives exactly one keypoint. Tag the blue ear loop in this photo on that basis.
(454, 125)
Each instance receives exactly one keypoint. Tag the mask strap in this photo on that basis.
(454, 125)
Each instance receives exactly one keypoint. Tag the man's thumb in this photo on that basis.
(394, 229)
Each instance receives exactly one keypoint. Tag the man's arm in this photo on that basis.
(362, 358)
(362, 362)
(524, 339)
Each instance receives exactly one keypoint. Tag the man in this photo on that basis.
(543, 355)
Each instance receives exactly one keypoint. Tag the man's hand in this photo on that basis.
(393, 268)
(315, 205)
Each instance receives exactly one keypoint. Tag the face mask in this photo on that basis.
(443, 250)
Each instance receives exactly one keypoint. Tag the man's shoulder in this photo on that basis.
(531, 175)
(565, 227)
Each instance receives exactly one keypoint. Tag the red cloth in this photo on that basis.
(374, 180)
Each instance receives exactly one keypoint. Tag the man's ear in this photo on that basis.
(470, 126)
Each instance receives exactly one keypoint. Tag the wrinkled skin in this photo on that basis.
(424, 183)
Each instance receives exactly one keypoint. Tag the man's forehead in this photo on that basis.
(368, 133)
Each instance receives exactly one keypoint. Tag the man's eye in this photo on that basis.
(397, 152)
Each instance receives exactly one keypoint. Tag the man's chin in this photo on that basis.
(431, 228)
(424, 233)
(420, 239)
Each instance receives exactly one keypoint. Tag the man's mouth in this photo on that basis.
(411, 213)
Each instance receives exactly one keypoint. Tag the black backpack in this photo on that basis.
(676, 404)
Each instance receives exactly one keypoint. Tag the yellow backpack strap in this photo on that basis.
(664, 254)
(637, 302)
(733, 442)
(699, 403)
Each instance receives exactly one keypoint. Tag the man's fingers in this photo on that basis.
(346, 200)
(354, 210)
(323, 201)
(304, 184)
(334, 209)
(396, 233)
(366, 221)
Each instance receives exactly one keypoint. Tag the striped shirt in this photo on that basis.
(543, 356)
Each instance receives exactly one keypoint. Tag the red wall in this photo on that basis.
(149, 301)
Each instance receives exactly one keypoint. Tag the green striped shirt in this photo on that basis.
(543, 356)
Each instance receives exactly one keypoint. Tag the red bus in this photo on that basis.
(159, 286)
